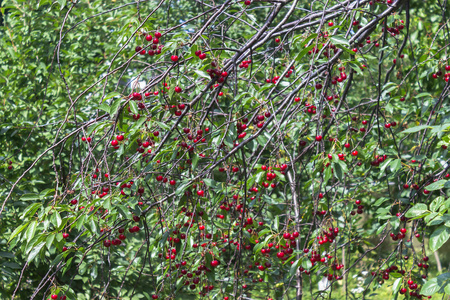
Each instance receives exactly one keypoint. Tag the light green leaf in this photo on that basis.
(339, 40)
(35, 251)
(416, 129)
(439, 237)
(436, 185)
(417, 210)
(133, 107)
(430, 287)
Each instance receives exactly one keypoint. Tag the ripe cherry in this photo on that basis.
(214, 263)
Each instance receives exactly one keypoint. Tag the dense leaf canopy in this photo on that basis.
(224, 149)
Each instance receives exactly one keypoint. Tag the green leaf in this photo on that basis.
(111, 95)
(105, 107)
(294, 267)
(115, 106)
(133, 107)
(35, 251)
(339, 40)
(338, 173)
(62, 3)
(31, 230)
(396, 285)
(417, 210)
(439, 237)
(210, 182)
(396, 165)
(430, 287)
(327, 175)
(437, 203)
(219, 176)
(381, 228)
(436, 185)
(416, 129)
(194, 161)
(124, 211)
(17, 231)
(202, 74)
(303, 52)
(30, 197)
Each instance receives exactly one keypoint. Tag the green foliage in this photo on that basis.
(281, 144)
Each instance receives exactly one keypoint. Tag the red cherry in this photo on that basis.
(318, 138)
(214, 263)
(174, 58)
